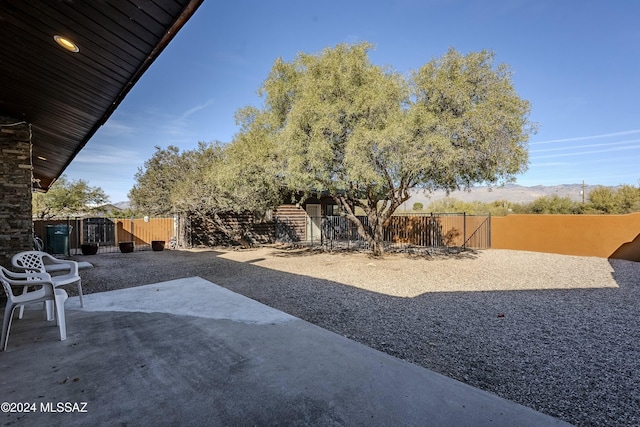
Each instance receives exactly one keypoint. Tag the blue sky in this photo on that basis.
(577, 62)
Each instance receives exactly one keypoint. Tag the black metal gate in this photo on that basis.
(99, 230)
(405, 231)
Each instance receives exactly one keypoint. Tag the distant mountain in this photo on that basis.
(511, 193)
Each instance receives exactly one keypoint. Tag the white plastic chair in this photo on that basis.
(46, 291)
(34, 261)
(38, 244)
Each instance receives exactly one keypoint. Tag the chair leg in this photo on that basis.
(48, 305)
(6, 325)
(80, 293)
(21, 311)
(61, 297)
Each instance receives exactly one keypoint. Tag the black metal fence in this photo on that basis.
(405, 232)
(74, 236)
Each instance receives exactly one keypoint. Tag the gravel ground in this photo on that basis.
(560, 334)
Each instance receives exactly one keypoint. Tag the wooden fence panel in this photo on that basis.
(231, 229)
(439, 230)
(291, 222)
(143, 231)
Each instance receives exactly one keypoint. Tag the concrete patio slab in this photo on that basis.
(188, 352)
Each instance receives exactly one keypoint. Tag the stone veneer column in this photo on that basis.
(16, 223)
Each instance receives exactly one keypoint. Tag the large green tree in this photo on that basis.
(67, 197)
(155, 182)
(367, 134)
(211, 180)
(251, 175)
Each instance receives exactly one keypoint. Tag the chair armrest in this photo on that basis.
(52, 268)
(60, 264)
(21, 279)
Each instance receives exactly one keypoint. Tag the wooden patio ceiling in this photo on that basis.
(67, 96)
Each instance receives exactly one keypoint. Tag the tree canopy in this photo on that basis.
(623, 199)
(212, 179)
(367, 134)
(67, 197)
(155, 182)
(334, 122)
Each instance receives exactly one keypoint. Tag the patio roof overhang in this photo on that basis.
(66, 95)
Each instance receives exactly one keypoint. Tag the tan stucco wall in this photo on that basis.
(606, 236)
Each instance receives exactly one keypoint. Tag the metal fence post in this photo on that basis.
(79, 233)
(430, 230)
(68, 236)
(464, 228)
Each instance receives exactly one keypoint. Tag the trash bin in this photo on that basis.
(58, 238)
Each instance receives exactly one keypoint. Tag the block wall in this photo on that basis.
(605, 236)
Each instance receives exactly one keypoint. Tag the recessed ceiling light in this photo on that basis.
(42, 158)
(66, 43)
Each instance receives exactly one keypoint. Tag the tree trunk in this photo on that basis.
(377, 241)
(377, 214)
(374, 233)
